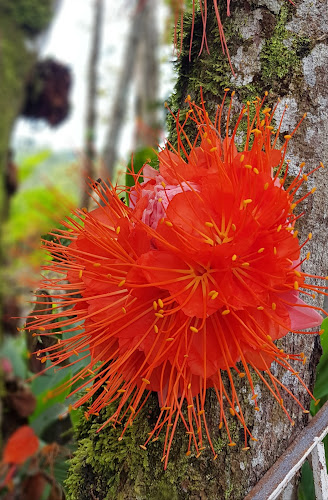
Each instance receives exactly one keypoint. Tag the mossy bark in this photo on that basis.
(20, 22)
(274, 47)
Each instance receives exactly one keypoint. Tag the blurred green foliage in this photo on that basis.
(32, 16)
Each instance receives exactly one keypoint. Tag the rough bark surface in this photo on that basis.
(282, 49)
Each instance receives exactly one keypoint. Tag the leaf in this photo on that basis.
(14, 349)
(43, 387)
(306, 486)
(139, 158)
(321, 383)
(28, 164)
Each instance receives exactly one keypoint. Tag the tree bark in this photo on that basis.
(282, 49)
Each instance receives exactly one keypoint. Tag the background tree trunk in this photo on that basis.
(282, 49)
(91, 115)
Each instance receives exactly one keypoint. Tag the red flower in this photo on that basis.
(196, 278)
(21, 445)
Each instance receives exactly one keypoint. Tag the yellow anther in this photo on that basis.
(269, 338)
(260, 250)
(233, 227)
(96, 264)
(296, 285)
(293, 205)
(226, 89)
(214, 295)
(297, 273)
(308, 255)
(159, 315)
(118, 229)
(190, 406)
(310, 236)
(279, 228)
(121, 283)
(234, 257)
(156, 328)
(123, 310)
(188, 453)
(245, 264)
(256, 131)
(168, 223)
(266, 185)
(287, 137)
(163, 184)
(160, 303)
(241, 375)
(189, 386)
(170, 339)
(232, 412)
(269, 127)
(260, 308)
(145, 381)
(232, 444)
(305, 177)
(155, 305)
(143, 447)
(256, 408)
(275, 250)
(201, 412)
(274, 306)
(209, 224)
(246, 448)
(241, 159)
(295, 233)
(44, 359)
(255, 170)
(132, 409)
(160, 200)
(262, 123)
(213, 149)
(193, 329)
(225, 312)
(247, 202)
(249, 167)
(313, 190)
(80, 273)
(266, 110)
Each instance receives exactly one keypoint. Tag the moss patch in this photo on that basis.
(32, 16)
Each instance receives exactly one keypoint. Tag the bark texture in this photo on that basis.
(282, 49)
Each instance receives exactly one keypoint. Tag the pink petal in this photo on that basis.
(301, 317)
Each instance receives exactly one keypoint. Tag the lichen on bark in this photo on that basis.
(272, 50)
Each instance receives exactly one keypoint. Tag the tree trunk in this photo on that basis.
(281, 49)
(146, 77)
(90, 129)
(118, 111)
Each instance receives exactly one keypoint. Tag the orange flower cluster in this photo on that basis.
(195, 280)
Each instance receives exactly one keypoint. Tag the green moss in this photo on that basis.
(282, 53)
(32, 16)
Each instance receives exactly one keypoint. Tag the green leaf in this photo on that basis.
(43, 387)
(321, 383)
(139, 158)
(28, 164)
(306, 486)
(14, 349)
